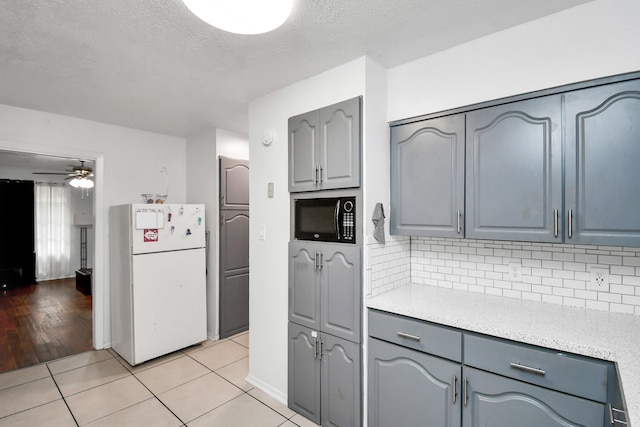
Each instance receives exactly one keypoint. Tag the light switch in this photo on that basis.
(262, 231)
(270, 190)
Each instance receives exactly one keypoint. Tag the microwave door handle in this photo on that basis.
(337, 210)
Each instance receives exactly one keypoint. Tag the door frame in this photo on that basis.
(98, 299)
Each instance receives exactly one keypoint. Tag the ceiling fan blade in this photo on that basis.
(49, 173)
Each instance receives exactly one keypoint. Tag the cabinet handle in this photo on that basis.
(555, 223)
(320, 174)
(315, 348)
(221, 220)
(321, 262)
(612, 417)
(320, 354)
(315, 261)
(465, 390)
(570, 223)
(315, 178)
(525, 368)
(454, 390)
(409, 336)
(458, 219)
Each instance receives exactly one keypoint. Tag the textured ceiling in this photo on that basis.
(150, 64)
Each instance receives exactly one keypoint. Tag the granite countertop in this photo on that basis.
(603, 335)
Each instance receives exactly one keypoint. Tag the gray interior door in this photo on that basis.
(234, 246)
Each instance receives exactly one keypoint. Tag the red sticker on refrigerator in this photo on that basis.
(150, 234)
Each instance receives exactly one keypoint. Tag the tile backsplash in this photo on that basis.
(553, 273)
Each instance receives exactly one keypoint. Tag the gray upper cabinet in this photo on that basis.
(427, 177)
(514, 171)
(325, 288)
(324, 148)
(602, 165)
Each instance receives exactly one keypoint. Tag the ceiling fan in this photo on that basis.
(79, 175)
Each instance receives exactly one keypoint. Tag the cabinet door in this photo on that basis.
(427, 177)
(304, 163)
(304, 372)
(340, 386)
(340, 291)
(340, 145)
(304, 286)
(492, 400)
(602, 158)
(409, 388)
(514, 167)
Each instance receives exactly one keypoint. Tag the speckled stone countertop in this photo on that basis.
(599, 334)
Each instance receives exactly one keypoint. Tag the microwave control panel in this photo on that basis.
(348, 221)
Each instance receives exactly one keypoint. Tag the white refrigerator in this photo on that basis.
(158, 283)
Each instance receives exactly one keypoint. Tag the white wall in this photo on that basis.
(593, 40)
(203, 186)
(128, 163)
(268, 258)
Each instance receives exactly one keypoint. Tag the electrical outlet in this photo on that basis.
(514, 272)
(599, 279)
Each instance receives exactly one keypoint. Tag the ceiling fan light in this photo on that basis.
(75, 183)
(242, 16)
(86, 183)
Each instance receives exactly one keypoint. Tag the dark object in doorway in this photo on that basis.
(10, 278)
(83, 280)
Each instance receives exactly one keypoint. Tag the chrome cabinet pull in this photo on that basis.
(555, 223)
(315, 348)
(320, 174)
(409, 336)
(321, 353)
(570, 223)
(612, 417)
(321, 262)
(315, 179)
(526, 368)
(458, 218)
(465, 391)
(315, 261)
(454, 389)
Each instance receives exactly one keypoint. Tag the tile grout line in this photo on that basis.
(63, 397)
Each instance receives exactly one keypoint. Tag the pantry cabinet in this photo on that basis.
(325, 293)
(324, 148)
(324, 377)
(325, 288)
(427, 177)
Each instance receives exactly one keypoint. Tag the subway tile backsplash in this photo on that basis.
(553, 273)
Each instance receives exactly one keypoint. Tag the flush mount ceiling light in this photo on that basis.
(242, 16)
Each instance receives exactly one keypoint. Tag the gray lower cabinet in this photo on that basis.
(325, 288)
(324, 148)
(324, 377)
(493, 382)
(602, 158)
(411, 388)
(427, 177)
(514, 171)
(496, 401)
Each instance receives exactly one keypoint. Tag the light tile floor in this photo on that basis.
(203, 385)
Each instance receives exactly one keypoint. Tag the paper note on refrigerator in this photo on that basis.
(149, 218)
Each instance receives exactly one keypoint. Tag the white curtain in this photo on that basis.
(53, 232)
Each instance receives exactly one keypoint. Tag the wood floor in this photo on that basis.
(43, 322)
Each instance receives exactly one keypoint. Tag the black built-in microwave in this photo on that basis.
(326, 219)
